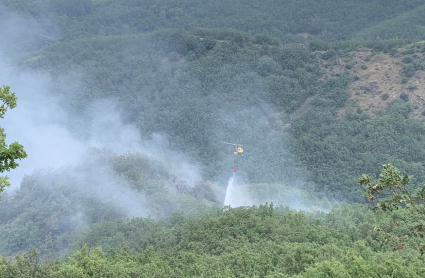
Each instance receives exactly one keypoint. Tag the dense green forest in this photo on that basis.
(265, 241)
(188, 75)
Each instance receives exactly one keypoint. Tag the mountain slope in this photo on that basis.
(407, 25)
(290, 21)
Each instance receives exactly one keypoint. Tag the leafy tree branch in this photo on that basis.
(8, 153)
(391, 192)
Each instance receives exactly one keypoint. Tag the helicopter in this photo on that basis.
(238, 148)
(237, 151)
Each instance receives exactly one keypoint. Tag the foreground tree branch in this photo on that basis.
(8, 153)
(390, 193)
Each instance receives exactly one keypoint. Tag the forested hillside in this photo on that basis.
(59, 204)
(288, 20)
(316, 92)
(206, 86)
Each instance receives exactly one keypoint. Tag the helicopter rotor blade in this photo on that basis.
(230, 144)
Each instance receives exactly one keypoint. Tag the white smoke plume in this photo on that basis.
(42, 126)
(55, 139)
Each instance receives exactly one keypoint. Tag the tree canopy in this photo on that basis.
(391, 192)
(15, 151)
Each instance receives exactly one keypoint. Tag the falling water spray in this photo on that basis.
(236, 193)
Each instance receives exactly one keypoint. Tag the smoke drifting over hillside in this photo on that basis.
(43, 127)
(21, 32)
(57, 141)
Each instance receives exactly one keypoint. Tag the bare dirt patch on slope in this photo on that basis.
(377, 80)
